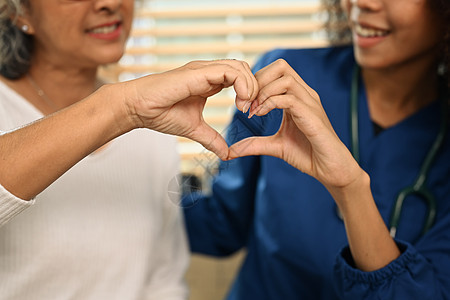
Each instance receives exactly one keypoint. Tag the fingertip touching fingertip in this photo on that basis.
(227, 158)
(246, 107)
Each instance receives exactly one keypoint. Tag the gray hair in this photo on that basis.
(15, 45)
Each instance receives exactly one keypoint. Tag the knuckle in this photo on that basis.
(193, 64)
(281, 63)
(263, 95)
(289, 80)
(315, 95)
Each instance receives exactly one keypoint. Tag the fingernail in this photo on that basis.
(255, 111)
(252, 113)
(246, 107)
(252, 109)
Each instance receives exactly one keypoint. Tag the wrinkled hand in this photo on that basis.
(173, 102)
(305, 139)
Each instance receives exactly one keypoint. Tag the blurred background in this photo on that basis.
(169, 33)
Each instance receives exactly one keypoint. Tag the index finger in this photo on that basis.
(246, 90)
(278, 69)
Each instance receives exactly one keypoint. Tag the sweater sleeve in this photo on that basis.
(10, 205)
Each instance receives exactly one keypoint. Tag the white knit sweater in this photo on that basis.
(105, 230)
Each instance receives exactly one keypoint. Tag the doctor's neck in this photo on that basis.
(396, 93)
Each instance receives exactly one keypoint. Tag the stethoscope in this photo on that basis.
(418, 187)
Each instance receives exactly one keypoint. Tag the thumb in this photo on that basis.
(253, 146)
(211, 140)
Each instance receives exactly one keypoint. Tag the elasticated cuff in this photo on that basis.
(346, 267)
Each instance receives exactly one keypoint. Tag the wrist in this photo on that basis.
(352, 193)
(114, 97)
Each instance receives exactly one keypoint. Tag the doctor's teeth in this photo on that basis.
(103, 30)
(369, 32)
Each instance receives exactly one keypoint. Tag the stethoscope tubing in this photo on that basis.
(419, 187)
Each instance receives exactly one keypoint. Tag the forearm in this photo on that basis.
(370, 243)
(32, 157)
(172, 102)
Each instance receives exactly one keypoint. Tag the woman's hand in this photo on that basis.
(173, 102)
(34, 156)
(306, 139)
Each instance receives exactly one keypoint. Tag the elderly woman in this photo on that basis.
(105, 229)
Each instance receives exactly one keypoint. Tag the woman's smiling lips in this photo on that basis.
(109, 31)
(367, 36)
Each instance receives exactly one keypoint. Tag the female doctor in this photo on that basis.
(368, 215)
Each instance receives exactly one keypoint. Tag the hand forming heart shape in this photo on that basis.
(173, 103)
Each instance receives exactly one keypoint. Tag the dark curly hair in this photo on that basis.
(339, 32)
